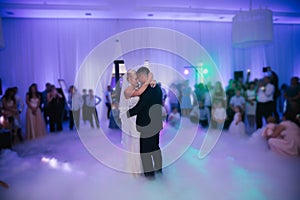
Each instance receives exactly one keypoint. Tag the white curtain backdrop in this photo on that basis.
(43, 50)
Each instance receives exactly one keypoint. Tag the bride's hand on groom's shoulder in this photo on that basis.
(153, 83)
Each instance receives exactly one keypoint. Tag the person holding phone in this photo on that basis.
(264, 107)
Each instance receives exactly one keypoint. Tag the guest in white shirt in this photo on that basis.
(91, 108)
(75, 102)
(264, 107)
(237, 100)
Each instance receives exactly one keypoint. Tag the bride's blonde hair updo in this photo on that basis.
(130, 73)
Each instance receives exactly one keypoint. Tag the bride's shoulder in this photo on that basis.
(128, 92)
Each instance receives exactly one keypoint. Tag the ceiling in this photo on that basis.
(284, 11)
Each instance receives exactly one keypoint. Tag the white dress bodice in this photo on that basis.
(34, 102)
(131, 102)
(129, 124)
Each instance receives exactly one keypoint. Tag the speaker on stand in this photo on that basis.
(238, 75)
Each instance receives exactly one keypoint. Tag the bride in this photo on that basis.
(129, 97)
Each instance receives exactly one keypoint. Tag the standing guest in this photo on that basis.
(230, 91)
(238, 100)
(218, 92)
(91, 108)
(264, 106)
(251, 104)
(44, 102)
(55, 109)
(282, 99)
(174, 118)
(35, 125)
(207, 99)
(85, 112)
(75, 103)
(275, 82)
(20, 106)
(237, 126)
(286, 138)
(186, 102)
(164, 92)
(173, 96)
(108, 101)
(11, 113)
(292, 95)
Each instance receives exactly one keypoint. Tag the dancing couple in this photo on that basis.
(141, 117)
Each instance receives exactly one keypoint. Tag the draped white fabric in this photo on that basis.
(43, 50)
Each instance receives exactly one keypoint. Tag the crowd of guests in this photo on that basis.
(243, 107)
(46, 109)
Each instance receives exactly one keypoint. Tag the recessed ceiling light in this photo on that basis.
(150, 15)
(9, 13)
(88, 14)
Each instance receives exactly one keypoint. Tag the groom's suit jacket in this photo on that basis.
(148, 111)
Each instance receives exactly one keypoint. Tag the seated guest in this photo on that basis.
(286, 138)
(218, 115)
(204, 118)
(174, 117)
(195, 114)
(270, 127)
(35, 125)
(237, 126)
(236, 100)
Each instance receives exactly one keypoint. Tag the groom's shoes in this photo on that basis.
(149, 175)
(159, 171)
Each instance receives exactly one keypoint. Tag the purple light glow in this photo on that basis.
(186, 72)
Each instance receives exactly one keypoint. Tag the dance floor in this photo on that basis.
(59, 167)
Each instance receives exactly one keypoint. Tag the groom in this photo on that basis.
(149, 123)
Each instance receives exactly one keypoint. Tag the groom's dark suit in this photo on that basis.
(149, 123)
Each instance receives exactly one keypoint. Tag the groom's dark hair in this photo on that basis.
(143, 70)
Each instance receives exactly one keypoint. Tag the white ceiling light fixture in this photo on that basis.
(252, 28)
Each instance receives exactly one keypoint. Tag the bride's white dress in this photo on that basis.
(130, 137)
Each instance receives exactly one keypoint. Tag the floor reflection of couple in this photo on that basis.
(141, 117)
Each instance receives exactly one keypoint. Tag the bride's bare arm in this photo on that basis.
(128, 92)
(142, 89)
